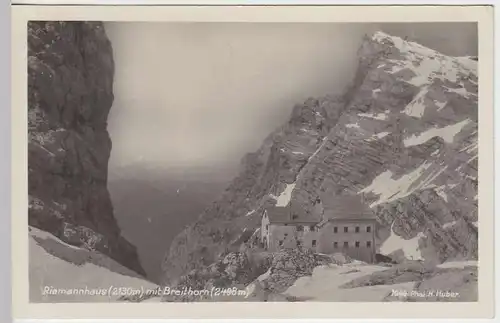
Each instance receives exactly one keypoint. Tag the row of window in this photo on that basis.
(356, 244)
(301, 228)
(313, 242)
(356, 229)
(335, 244)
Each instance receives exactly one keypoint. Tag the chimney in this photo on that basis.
(318, 207)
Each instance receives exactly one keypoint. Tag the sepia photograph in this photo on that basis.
(236, 162)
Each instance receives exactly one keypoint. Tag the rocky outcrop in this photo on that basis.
(70, 79)
(285, 268)
(231, 270)
(404, 135)
(262, 275)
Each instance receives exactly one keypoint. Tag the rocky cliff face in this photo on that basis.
(70, 79)
(404, 135)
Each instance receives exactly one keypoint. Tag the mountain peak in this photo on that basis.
(404, 135)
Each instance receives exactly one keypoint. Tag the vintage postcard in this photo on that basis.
(252, 162)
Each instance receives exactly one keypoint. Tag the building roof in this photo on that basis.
(289, 214)
(349, 207)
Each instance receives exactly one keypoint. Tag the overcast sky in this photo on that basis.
(203, 94)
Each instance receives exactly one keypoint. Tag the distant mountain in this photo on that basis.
(152, 208)
(405, 135)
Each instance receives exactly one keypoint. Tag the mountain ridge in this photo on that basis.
(404, 135)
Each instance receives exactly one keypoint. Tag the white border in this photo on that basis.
(249, 2)
(296, 306)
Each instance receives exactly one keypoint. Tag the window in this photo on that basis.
(368, 244)
(280, 243)
(346, 229)
(312, 228)
(335, 230)
(300, 228)
(346, 244)
(267, 227)
(357, 244)
(335, 245)
(357, 230)
(368, 229)
(314, 243)
(286, 234)
(294, 216)
(298, 243)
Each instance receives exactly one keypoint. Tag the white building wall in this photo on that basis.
(287, 236)
(328, 237)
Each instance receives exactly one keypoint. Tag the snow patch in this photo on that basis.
(467, 62)
(471, 159)
(430, 63)
(458, 264)
(439, 104)
(378, 116)
(250, 289)
(409, 247)
(440, 191)
(323, 142)
(46, 269)
(416, 107)
(381, 134)
(256, 233)
(297, 153)
(250, 213)
(470, 148)
(352, 125)
(390, 189)
(325, 281)
(447, 133)
(461, 91)
(449, 224)
(265, 275)
(285, 196)
(45, 235)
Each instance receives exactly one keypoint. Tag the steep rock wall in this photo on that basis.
(70, 93)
